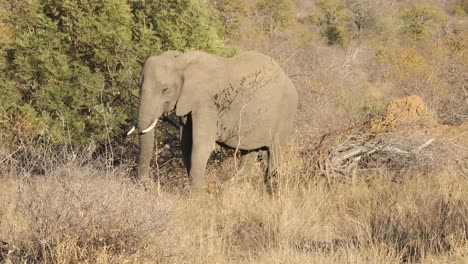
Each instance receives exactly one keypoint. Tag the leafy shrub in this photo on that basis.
(274, 15)
(460, 7)
(69, 68)
(332, 19)
(179, 25)
(418, 21)
(230, 13)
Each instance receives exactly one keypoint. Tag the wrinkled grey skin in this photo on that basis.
(245, 102)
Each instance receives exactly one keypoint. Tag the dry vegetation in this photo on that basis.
(366, 179)
(80, 213)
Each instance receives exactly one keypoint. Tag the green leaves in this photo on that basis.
(177, 25)
(418, 22)
(460, 7)
(273, 15)
(73, 65)
(332, 19)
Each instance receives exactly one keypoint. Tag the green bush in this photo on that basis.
(230, 13)
(460, 7)
(332, 19)
(274, 15)
(69, 67)
(418, 21)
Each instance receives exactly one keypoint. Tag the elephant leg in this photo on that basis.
(274, 160)
(201, 151)
(246, 163)
(186, 141)
(203, 143)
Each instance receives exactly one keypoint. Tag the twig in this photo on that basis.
(11, 154)
(423, 146)
(457, 136)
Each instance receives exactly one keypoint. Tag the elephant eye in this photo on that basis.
(164, 90)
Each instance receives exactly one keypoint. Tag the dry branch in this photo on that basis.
(355, 152)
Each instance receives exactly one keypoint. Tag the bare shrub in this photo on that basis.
(78, 215)
(40, 158)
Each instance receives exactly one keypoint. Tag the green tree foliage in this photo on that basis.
(179, 25)
(460, 7)
(419, 20)
(230, 13)
(274, 15)
(69, 68)
(332, 19)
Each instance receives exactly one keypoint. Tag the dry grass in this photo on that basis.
(80, 214)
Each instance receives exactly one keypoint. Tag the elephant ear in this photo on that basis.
(187, 100)
(198, 80)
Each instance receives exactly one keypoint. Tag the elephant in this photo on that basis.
(246, 102)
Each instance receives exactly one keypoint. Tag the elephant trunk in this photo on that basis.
(146, 153)
(146, 124)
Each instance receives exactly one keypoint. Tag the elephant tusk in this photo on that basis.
(131, 131)
(150, 127)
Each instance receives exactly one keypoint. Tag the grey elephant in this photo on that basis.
(246, 102)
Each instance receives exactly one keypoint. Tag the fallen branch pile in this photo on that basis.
(364, 152)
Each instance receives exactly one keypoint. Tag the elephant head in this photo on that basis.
(166, 84)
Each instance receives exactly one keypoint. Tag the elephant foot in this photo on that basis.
(199, 184)
(147, 184)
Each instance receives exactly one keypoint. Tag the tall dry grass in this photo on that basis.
(78, 214)
(83, 214)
